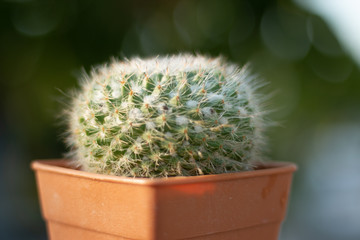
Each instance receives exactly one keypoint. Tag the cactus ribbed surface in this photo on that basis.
(166, 116)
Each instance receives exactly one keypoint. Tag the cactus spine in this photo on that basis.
(166, 116)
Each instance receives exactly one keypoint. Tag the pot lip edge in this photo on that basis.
(270, 168)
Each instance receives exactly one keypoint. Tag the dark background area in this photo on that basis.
(45, 46)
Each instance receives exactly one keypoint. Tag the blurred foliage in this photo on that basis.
(46, 45)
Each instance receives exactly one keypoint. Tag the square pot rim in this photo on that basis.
(64, 167)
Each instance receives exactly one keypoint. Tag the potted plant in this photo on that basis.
(165, 148)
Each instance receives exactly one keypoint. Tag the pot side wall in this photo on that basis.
(78, 205)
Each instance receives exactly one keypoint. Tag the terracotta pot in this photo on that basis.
(80, 205)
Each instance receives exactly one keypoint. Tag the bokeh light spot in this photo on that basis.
(185, 20)
(215, 18)
(36, 19)
(322, 38)
(285, 34)
(332, 69)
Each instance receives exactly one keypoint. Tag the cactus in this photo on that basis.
(166, 116)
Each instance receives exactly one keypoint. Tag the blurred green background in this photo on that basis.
(307, 50)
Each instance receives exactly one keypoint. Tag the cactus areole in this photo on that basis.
(179, 115)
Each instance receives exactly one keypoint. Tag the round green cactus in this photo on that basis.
(166, 116)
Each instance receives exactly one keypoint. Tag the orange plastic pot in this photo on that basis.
(80, 205)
